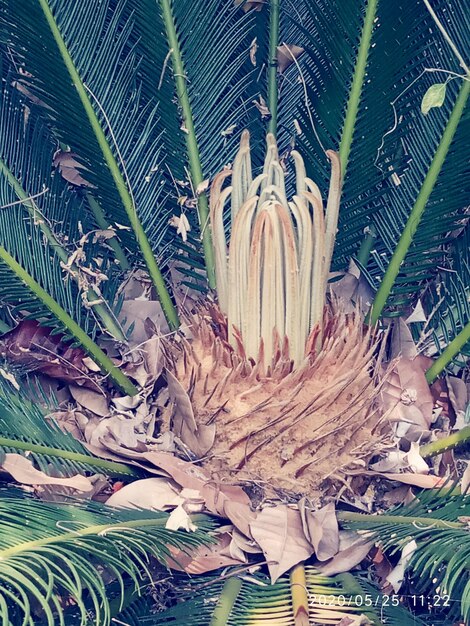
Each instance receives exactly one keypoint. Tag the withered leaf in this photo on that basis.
(286, 54)
(321, 529)
(23, 471)
(279, 533)
(157, 494)
(204, 558)
(352, 550)
(70, 169)
(199, 438)
(35, 349)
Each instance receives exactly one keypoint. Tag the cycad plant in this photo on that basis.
(121, 116)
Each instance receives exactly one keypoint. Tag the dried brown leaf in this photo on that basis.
(199, 439)
(352, 550)
(92, 400)
(70, 169)
(286, 54)
(157, 494)
(278, 531)
(203, 559)
(321, 529)
(23, 471)
(35, 349)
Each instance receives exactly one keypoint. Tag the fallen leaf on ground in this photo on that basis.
(240, 514)
(23, 471)
(321, 529)
(352, 550)
(36, 349)
(157, 494)
(203, 559)
(406, 396)
(278, 531)
(418, 480)
(92, 400)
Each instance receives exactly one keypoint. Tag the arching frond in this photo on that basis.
(85, 73)
(393, 142)
(437, 523)
(26, 429)
(48, 551)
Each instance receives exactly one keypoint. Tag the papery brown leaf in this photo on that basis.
(203, 559)
(240, 514)
(352, 550)
(95, 402)
(278, 531)
(157, 494)
(24, 472)
(321, 529)
(70, 168)
(425, 481)
(137, 312)
(286, 55)
(256, 5)
(406, 395)
(199, 439)
(35, 349)
(402, 343)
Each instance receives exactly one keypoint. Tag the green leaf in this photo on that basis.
(48, 551)
(73, 62)
(434, 97)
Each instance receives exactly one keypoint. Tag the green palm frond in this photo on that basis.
(385, 169)
(194, 55)
(32, 199)
(26, 429)
(85, 73)
(244, 600)
(446, 301)
(438, 523)
(48, 551)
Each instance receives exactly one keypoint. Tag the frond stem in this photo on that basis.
(452, 350)
(356, 86)
(439, 446)
(95, 352)
(110, 467)
(272, 69)
(192, 147)
(416, 214)
(227, 599)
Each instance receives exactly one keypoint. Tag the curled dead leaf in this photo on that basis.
(24, 472)
(286, 55)
(70, 169)
(278, 531)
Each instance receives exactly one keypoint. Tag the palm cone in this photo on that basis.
(284, 380)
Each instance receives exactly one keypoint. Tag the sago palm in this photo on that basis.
(150, 100)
